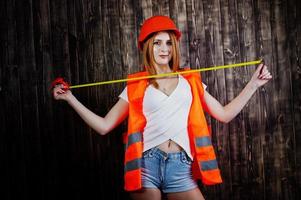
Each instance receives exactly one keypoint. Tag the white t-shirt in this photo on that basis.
(166, 116)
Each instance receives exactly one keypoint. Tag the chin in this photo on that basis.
(163, 62)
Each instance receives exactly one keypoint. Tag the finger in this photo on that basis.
(61, 91)
(259, 68)
(265, 70)
(267, 77)
(264, 74)
(56, 90)
(267, 73)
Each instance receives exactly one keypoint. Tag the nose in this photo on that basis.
(164, 48)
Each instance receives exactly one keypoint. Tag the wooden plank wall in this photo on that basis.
(47, 152)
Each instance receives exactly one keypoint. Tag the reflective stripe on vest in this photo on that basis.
(205, 165)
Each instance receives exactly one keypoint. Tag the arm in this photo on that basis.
(228, 112)
(101, 125)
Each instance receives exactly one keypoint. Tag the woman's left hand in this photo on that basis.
(261, 76)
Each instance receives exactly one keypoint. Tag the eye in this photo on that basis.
(169, 43)
(156, 43)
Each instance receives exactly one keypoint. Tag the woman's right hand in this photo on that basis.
(60, 94)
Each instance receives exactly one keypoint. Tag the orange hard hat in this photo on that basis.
(156, 24)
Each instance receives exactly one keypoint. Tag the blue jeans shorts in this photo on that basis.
(170, 172)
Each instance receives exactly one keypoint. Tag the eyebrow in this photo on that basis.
(161, 40)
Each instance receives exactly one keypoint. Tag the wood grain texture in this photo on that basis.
(48, 152)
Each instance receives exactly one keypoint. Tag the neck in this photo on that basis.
(161, 69)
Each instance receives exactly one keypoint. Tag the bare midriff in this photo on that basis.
(170, 147)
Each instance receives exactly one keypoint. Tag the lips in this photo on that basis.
(163, 56)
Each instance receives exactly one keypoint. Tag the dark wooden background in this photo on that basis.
(47, 152)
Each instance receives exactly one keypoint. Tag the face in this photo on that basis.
(162, 49)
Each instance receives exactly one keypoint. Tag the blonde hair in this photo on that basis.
(149, 59)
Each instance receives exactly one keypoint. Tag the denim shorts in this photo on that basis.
(170, 172)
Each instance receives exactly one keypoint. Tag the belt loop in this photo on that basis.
(152, 151)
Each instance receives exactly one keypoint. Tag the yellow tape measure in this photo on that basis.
(168, 74)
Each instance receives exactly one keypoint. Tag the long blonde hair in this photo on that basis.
(149, 59)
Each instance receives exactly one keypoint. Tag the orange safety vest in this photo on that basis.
(204, 165)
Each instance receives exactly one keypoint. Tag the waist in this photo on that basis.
(162, 154)
(170, 147)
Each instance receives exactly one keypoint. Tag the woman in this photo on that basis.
(168, 145)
